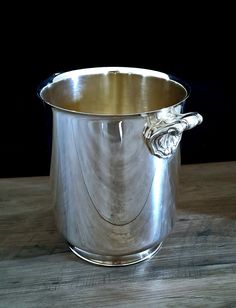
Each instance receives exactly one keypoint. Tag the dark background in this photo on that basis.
(205, 60)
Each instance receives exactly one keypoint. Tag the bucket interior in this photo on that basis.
(113, 92)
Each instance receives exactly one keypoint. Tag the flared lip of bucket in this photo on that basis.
(109, 69)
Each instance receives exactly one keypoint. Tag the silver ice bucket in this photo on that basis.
(115, 159)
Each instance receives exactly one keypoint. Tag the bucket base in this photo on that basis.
(115, 260)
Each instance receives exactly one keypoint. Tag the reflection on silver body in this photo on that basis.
(114, 170)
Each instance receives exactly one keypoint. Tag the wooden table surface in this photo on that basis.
(196, 266)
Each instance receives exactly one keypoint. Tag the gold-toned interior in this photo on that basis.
(113, 93)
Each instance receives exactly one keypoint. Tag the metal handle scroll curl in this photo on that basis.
(163, 136)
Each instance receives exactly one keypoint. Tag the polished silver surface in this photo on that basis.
(163, 133)
(115, 160)
(113, 260)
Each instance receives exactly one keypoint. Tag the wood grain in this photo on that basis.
(196, 266)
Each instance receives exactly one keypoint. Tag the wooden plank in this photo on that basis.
(195, 267)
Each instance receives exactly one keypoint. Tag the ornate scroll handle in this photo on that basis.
(163, 136)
